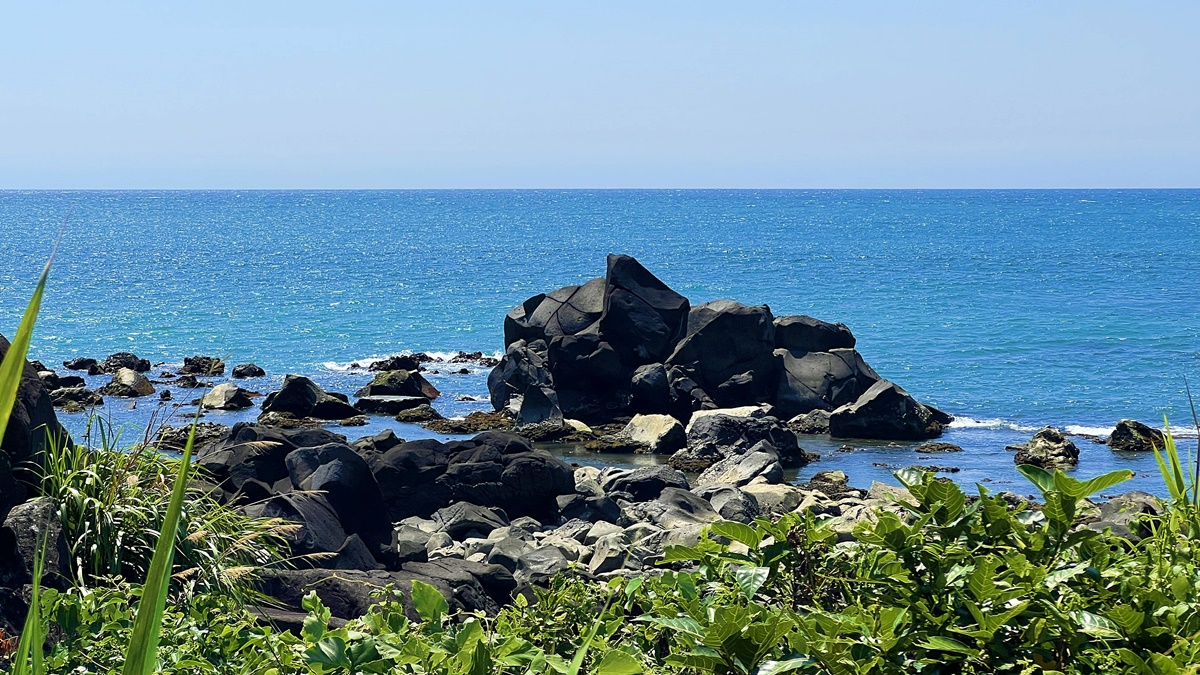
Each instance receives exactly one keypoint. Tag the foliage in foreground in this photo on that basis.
(113, 503)
(950, 584)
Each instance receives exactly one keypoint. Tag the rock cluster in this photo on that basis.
(626, 343)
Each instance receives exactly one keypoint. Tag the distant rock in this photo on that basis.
(810, 423)
(80, 364)
(885, 411)
(1049, 449)
(399, 383)
(421, 413)
(247, 370)
(300, 397)
(397, 362)
(227, 396)
(932, 447)
(127, 383)
(116, 362)
(1133, 436)
(202, 365)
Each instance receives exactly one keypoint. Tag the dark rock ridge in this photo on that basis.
(626, 343)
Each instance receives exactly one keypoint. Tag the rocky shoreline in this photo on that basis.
(724, 392)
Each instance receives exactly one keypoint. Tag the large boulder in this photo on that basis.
(820, 380)
(300, 397)
(116, 362)
(728, 350)
(657, 434)
(1049, 449)
(885, 411)
(567, 311)
(712, 438)
(399, 383)
(524, 366)
(28, 528)
(643, 484)
(226, 396)
(1133, 436)
(758, 464)
(343, 476)
(494, 469)
(643, 318)
(127, 383)
(799, 333)
(247, 370)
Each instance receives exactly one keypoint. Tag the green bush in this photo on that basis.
(112, 503)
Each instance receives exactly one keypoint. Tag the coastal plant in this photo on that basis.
(113, 503)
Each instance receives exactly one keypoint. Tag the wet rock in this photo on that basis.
(1133, 436)
(885, 411)
(714, 437)
(127, 383)
(390, 405)
(473, 423)
(933, 447)
(207, 366)
(1049, 449)
(116, 362)
(75, 397)
(189, 382)
(174, 439)
(70, 381)
(395, 362)
(227, 396)
(421, 413)
(247, 370)
(399, 383)
(49, 378)
(80, 364)
(475, 358)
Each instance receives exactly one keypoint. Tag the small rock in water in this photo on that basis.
(397, 362)
(127, 383)
(116, 362)
(246, 370)
(202, 365)
(1133, 436)
(1049, 449)
(937, 446)
(421, 413)
(80, 364)
(227, 396)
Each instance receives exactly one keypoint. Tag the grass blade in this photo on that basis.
(32, 637)
(142, 652)
(13, 365)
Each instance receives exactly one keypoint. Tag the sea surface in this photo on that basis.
(1011, 309)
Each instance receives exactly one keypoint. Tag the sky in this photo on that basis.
(562, 94)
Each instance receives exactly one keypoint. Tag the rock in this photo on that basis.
(247, 370)
(642, 318)
(421, 413)
(82, 397)
(319, 529)
(493, 469)
(1125, 515)
(539, 405)
(399, 383)
(227, 396)
(116, 362)
(932, 447)
(390, 405)
(589, 508)
(473, 423)
(1133, 436)
(80, 364)
(760, 463)
(207, 366)
(409, 544)
(751, 411)
(523, 367)
(811, 423)
(70, 381)
(296, 396)
(344, 478)
(729, 502)
(464, 520)
(799, 333)
(657, 434)
(127, 383)
(49, 378)
(820, 380)
(890, 493)
(714, 437)
(395, 362)
(645, 483)
(1049, 449)
(253, 451)
(886, 411)
(26, 527)
(676, 507)
(728, 350)
(189, 382)
(564, 312)
(174, 439)
(540, 564)
(650, 390)
(598, 530)
(775, 499)
(334, 406)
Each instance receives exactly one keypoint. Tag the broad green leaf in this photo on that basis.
(750, 579)
(330, 651)
(1095, 625)
(785, 665)
(982, 581)
(945, 644)
(737, 532)
(685, 624)
(1103, 482)
(429, 602)
(1044, 480)
(616, 662)
(1129, 619)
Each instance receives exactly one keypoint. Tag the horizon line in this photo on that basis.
(586, 189)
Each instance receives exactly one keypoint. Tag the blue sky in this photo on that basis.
(599, 94)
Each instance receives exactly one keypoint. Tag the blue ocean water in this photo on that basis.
(1011, 309)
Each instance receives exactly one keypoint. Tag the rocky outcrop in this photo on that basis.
(886, 411)
(300, 398)
(116, 362)
(1133, 436)
(202, 365)
(127, 383)
(627, 344)
(226, 396)
(715, 437)
(1049, 449)
(399, 383)
(247, 370)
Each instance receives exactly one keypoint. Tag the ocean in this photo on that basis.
(1011, 309)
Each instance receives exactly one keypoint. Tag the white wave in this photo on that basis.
(357, 364)
(365, 363)
(1087, 431)
(961, 422)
